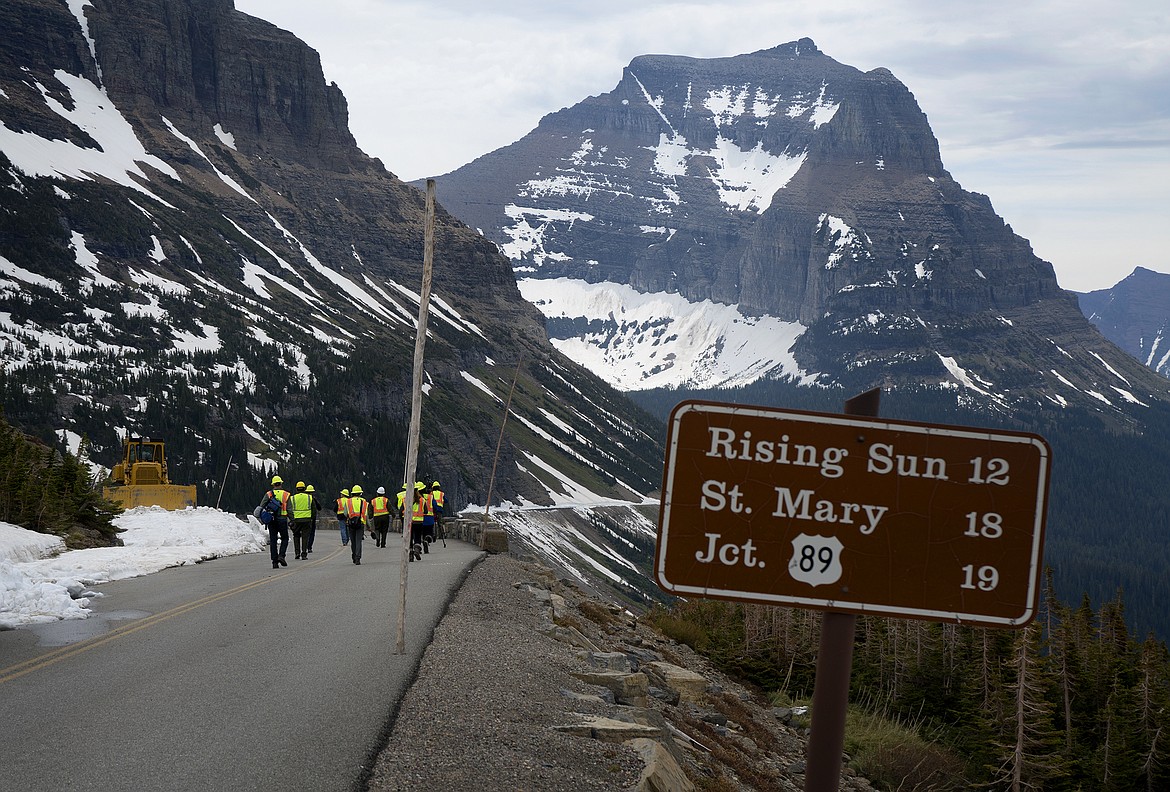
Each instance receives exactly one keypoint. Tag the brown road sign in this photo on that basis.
(855, 514)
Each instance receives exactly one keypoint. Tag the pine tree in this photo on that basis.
(1153, 702)
(1031, 756)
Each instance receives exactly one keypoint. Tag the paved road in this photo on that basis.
(222, 675)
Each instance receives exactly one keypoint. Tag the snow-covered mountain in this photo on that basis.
(779, 215)
(1135, 315)
(192, 247)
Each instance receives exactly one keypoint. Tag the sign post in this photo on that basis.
(830, 704)
(851, 514)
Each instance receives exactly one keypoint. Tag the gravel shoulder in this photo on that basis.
(531, 684)
(488, 693)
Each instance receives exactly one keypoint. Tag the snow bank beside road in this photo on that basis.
(42, 582)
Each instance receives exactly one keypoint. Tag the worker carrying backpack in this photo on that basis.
(266, 512)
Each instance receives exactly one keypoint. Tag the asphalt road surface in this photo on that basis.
(223, 675)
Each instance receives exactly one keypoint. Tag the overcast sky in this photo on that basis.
(1058, 110)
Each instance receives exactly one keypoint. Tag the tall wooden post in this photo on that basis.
(412, 438)
(826, 742)
(500, 440)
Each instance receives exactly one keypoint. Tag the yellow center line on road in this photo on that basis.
(65, 652)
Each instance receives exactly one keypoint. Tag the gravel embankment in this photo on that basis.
(480, 714)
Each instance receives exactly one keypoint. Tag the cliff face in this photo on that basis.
(801, 207)
(193, 247)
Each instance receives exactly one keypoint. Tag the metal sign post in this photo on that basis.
(830, 704)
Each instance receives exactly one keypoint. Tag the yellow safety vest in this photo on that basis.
(302, 506)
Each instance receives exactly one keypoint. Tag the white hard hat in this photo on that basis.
(381, 490)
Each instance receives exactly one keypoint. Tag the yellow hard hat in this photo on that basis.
(434, 484)
(345, 492)
(356, 489)
(300, 485)
(418, 485)
(277, 480)
(310, 488)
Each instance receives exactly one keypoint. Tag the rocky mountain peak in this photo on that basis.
(681, 228)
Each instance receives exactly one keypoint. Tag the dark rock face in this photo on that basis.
(222, 199)
(1135, 315)
(791, 186)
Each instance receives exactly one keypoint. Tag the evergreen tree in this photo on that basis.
(1031, 755)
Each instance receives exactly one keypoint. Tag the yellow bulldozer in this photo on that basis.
(140, 479)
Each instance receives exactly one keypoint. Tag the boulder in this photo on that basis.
(689, 685)
(627, 688)
(662, 773)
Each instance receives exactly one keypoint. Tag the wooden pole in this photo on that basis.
(500, 440)
(826, 741)
(412, 438)
(223, 483)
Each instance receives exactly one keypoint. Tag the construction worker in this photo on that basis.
(278, 528)
(428, 521)
(356, 517)
(437, 499)
(313, 525)
(379, 517)
(418, 514)
(302, 520)
(399, 514)
(341, 518)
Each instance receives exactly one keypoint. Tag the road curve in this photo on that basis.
(223, 675)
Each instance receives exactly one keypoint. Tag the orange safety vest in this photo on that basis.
(380, 505)
(282, 496)
(355, 506)
(341, 507)
(437, 498)
(422, 506)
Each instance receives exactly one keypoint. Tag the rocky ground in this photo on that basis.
(529, 684)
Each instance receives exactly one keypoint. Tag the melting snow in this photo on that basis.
(119, 154)
(1112, 370)
(663, 340)
(960, 374)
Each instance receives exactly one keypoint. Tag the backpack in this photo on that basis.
(266, 512)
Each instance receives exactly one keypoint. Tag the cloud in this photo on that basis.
(1013, 90)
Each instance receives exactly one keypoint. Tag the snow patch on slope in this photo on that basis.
(639, 341)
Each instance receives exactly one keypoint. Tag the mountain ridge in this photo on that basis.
(193, 247)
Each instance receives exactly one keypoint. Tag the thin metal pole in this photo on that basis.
(500, 440)
(412, 438)
(826, 741)
(224, 482)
